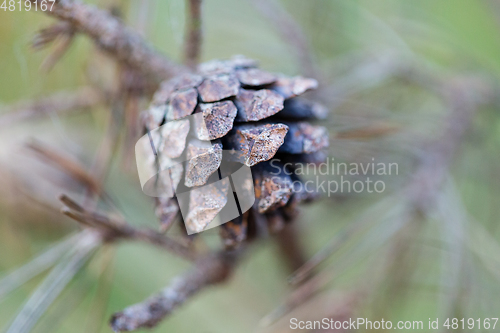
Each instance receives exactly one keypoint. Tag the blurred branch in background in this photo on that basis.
(419, 198)
(67, 165)
(111, 35)
(61, 35)
(58, 103)
(214, 269)
(194, 34)
(113, 229)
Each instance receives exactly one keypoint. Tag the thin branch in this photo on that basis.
(194, 34)
(47, 35)
(62, 44)
(208, 271)
(69, 166)
(61, 102)
(61, 34)
(114, 229)
(75, 170)
(112, 36)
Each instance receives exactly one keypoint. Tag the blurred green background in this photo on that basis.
(455, 36)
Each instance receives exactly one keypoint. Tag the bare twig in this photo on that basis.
(114, 229)
(69, 166)
(209, 271)
(194, 34)
(49, 34)
(62, 44)
(115, 38)
(60, 102)
(75, 170)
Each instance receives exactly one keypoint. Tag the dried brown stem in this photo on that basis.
(49, 34)
(194, 34)
(60, 102)
(208, 271)
(74, 169)
(69, 166)
(62, 44)
(290, 247)
(114, 229)
(112, 36)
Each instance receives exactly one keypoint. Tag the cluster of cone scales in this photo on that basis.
(230, 110)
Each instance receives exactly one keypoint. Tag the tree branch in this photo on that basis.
(194, 34)
(113, 229)
(209, 271)
(115, 38)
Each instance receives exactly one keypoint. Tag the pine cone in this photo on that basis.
(254, 114)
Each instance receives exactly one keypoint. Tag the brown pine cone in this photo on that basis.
(254, 117)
